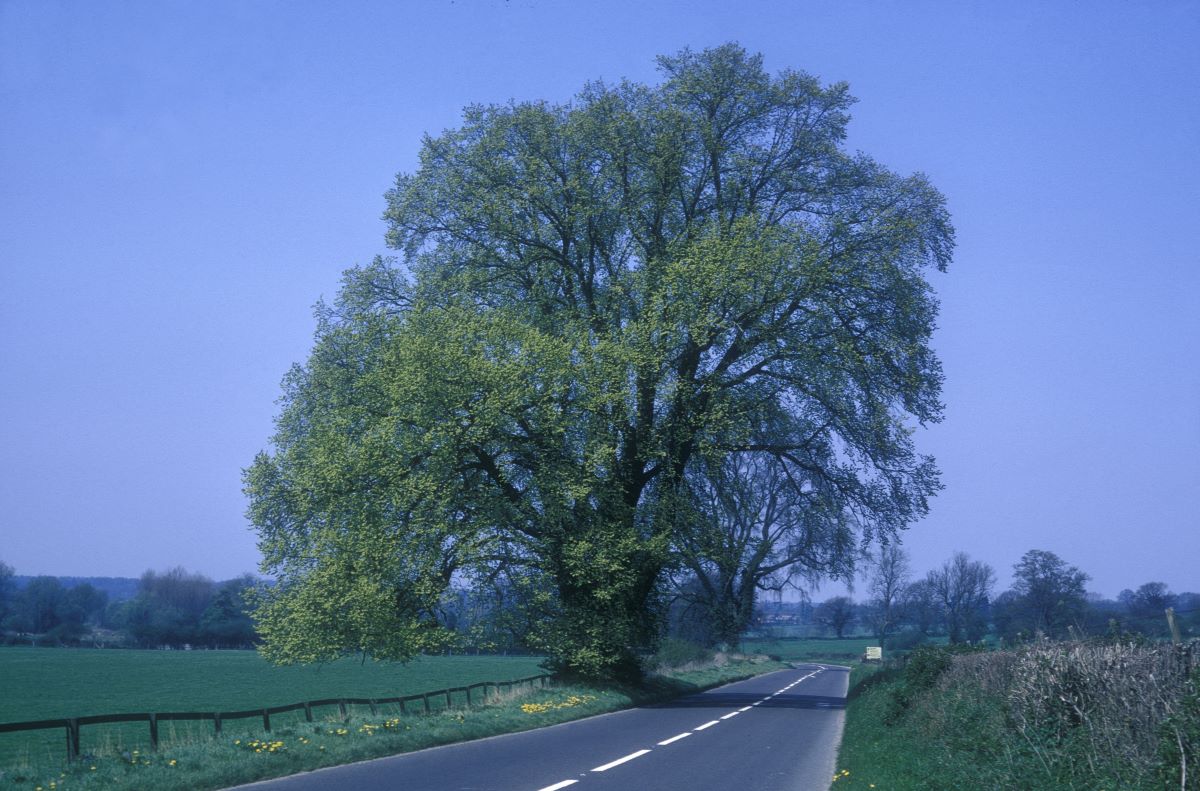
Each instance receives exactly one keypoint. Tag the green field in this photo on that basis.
(843, 651)
(48, 683)
(210, 763)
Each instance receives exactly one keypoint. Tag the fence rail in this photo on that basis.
(71, 725)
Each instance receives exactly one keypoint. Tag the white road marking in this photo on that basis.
(731, 714)
(674, 739)
(708, 725)
(557, 786)
(744, 708)
(620, 761)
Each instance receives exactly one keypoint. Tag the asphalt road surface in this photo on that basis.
(777, 732)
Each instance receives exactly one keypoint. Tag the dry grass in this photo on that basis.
(1086, 710)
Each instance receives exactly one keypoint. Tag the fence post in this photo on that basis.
(468, 696)
(371, 703)
(342, 710)
(1175, 636)
(266, 721)
(72, 739)
(153, 731)
(448, 702)
(425, 700)
(307, 711)
(217, 724)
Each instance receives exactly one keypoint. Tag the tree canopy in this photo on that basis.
(590, 301)
(1050, 593)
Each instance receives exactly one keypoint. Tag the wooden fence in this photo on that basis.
(73, 724)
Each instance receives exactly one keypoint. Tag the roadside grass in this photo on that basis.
(300, 746)
(51, 683)
(1053, 716)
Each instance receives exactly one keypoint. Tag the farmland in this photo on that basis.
(45, 683)
(841, 650)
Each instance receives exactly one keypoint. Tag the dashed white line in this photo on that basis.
(620, 761)
(673, 739)
(557, 786)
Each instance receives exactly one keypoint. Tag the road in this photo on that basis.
(777, 732)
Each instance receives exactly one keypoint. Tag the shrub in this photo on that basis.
(1179, 741)
(904, 641)
(673, 652)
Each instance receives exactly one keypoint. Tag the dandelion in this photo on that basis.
(171, 762)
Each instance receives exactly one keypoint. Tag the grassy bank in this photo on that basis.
(1051, 716)
(231, 759)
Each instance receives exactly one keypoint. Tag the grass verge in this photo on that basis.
(1048, 716)
(231, 760)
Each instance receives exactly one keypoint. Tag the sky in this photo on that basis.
(180, 182)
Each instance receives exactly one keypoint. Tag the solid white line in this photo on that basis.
(731, 714)
(557, 786)
(674, 739)
(707, 725)
(620, 761)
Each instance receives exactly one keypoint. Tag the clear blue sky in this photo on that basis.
(180, 182)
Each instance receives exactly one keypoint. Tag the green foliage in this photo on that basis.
(1050, 715)
(1179, 741)
(673, 652)
(592, 298)
(922, 670)
(905, 640)
(1047, 597)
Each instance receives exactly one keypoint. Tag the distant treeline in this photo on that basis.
(171, 609)
(958, 601)
(178, 609)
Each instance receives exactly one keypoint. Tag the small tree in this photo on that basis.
(921, 608)
(1050, 594)
(6, 589)
(38, 607)
(889, 578)
(963, 586)
(836, 613)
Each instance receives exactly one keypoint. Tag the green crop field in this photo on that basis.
(48, 683)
